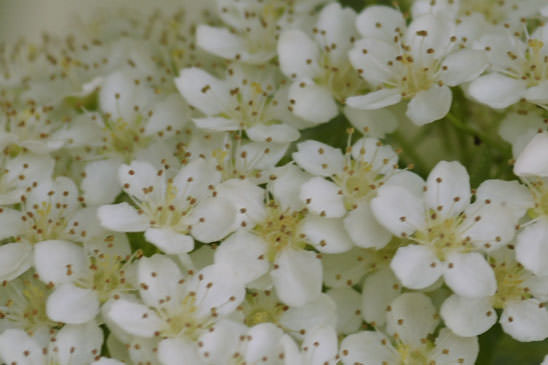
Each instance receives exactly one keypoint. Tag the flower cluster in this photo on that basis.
(246, 186)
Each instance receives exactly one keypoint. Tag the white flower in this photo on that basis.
(73, 344)
(417, 64)
(321, 72)
(178, 309)
(23, 305)
(518, 70)
(446, 231)
(353, 181)
(519, 129)
(520, 295)
(276, 245)
(21, 172)
(171, 212)
(82, 279)
(410, 319)
(250, 99)
(253, 28)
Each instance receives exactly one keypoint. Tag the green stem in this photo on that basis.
(488, 140)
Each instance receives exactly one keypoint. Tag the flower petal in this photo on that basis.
(379, 290)
(429, 105)
(413, 317)
(201, 90)
(298, 55)
(212, 219)
(312, 102)
(319, 159)
(122, 218)
(375, 99)
(468, 317)
(448, 189)
(219, 41)
(525, 320)
(60, 262)
(327, 235)
(416, 266)
(298, 277)
(463, 66)
(169, 241)
(533, 160)
(133, 318)
(532, 248)
(73, 305)
(469, 275)
(363, 228)
(323, 197)
(496, 90)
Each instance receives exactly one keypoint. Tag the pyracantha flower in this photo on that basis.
(417, 64)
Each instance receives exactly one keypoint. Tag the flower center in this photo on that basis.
(510, 277)
(341, 80)
(183, 320)
(412, 356)
(280, 230)
(45, 222)
(358, 181)
(26, 304)
(125, 138)
(540, 195)
(491, 9)
(443, 236)
(261, 307)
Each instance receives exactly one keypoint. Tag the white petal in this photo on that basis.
(312, 102)
(70, 304)
(245, 253)
(416, 266)
(325, 234)
(298, 55)
(11, 223)
(160, 276)
(532, 248)
(368, 347)
(287, 187)
(13, 346)
(348, 302)
(323, 197)
(533, 160)
(206, 93)
(217, 123)
(169, 241)
(15, 259)
(107, 361)
(78, 344)
(60, 262)
(525, 320)
(263, 341)
(363, 228)
(277, 133)
(452, 349)
(390, 22)
(448, 187)
(336, 25)
(217, 288)
(122, 218)
(398, 210)
(468, 317)
(321, 311)
(413, 317)
(322, 345)
(378, 291)
(247, 198)
(371, 58)
(463, 66)
(507, 193)
(101, 185)
(319, 159)
(168, 117)
(212, 219)
(219, 344)
(194, 180)
(219, 41)
(496, 90)
(375, 99)
(538, 94)
(469, 275)
(495, 227)
(175, 351)
(374, 123)
(134, 318)
(429, 105)
(298, 277)
(137, 177)
(346, 269)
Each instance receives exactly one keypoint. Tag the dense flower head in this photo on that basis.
(292, 182)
